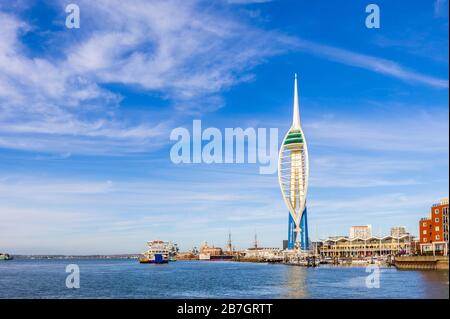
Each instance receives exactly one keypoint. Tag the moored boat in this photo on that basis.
(5, 256)
(213, 253)
(159, 252)
(153, 259)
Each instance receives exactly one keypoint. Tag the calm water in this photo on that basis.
(194, 279)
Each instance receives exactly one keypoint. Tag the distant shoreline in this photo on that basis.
(118, 256)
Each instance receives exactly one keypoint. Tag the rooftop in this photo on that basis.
(444, 201)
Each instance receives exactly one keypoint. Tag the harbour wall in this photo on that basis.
(422, 262)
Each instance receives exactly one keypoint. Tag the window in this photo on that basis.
(424, 240)
(424, 232)
(436, 220)
(424, 224)
(438, 237)
(436, 211)
(436, 228)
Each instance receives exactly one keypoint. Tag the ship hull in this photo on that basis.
(152, 262)
(6, 257)
(221, 257)
(154, 259)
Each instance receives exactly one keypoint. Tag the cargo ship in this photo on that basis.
(159, 252)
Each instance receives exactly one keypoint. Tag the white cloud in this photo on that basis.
(38, 210)
(189, 58)
(195, 53)
(372, 63)
(387, 134)
(189, 54)
(186, 209)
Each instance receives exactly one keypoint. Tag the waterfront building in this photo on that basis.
(265, 253)
(398, 231)
(315, 247)
(415, 247)
(206, 251)
(345, 247)
(337, 237)
(213, 253)
(434, 230)
(363, 232)
(293, 170)
(188, 255)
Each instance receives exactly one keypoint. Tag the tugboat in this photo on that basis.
(159, 252)
(5, 257)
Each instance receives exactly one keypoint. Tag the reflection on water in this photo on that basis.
(296, 285)
(432, 280)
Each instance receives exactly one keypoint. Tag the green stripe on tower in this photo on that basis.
(293, 141)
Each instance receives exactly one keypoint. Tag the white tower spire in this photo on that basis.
(296, 114)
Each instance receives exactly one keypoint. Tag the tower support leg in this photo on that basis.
(304, 230)
(291, 233)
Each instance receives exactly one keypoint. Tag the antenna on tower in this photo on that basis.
(296, 113)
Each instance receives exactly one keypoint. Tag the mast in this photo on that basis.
(230, 245)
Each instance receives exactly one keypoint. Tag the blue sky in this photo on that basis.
(86, 115)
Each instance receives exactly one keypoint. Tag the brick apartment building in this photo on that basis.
(434, 229)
